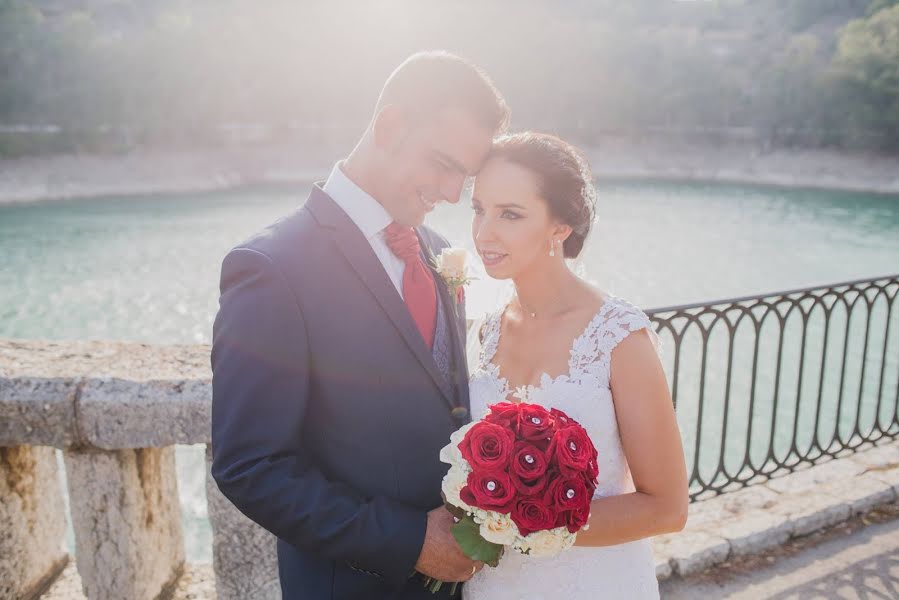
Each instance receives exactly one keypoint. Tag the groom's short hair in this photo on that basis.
(427, 82)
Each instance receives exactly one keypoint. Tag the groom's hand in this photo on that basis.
(441, 557)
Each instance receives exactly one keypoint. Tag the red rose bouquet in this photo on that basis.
(522, 477)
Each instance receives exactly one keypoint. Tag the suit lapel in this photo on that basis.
(358, 252)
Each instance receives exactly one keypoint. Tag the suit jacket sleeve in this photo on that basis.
(260, 383)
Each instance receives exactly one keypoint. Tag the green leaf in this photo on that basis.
(468, 535)
(457, 512)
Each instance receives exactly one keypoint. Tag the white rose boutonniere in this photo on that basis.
(451, 266)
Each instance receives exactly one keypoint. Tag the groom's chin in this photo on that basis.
(416, 220)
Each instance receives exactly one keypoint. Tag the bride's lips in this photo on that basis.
(491, 259)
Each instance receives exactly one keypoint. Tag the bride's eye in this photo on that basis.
(512, 216)
(477, 209)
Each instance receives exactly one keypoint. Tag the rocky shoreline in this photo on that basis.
(166, 171)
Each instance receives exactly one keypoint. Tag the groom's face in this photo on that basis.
(426, 160)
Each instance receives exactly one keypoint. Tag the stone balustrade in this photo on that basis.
(116, 410)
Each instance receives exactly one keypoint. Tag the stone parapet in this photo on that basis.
(762, 516)
(108, 395)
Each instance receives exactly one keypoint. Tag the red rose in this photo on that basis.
(489, 490)
(531, 514)
(572, 450)
(535, 423)
(575, 519)
(487, 446)
(590, 474)
(528, 468)
(528, 488)
(567, 493)
(504, 414)
(528, 461)
(561, 419)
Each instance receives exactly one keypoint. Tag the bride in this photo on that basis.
(562, 343)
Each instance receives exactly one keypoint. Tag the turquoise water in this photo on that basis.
(146, 268)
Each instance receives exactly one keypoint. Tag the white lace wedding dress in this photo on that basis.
(626, 571)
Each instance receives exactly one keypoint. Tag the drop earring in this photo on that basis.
(552, 247)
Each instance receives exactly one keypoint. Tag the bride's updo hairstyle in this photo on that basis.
(564, 178)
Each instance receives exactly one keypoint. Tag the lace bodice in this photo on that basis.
(584, 393)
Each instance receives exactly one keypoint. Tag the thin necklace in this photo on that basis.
(531, 313)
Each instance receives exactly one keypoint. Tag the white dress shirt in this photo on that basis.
(370, 217)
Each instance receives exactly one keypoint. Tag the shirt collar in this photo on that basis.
(366, 212)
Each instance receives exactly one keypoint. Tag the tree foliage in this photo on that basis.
(114, 74)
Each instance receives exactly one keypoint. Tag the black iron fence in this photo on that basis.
(765, 384)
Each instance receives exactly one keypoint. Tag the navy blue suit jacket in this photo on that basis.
(328, 410)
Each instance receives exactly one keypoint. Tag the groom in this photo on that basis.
(338, 352)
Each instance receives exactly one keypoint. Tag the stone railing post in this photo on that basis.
(34, 415)
(123, 493)
(32, 521)
(244, 554)
(127, 521)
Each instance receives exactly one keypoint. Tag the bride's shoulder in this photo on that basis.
(607, 307)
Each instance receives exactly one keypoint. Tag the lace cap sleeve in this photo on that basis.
(616, 320)
(489, 336)
(623, 319)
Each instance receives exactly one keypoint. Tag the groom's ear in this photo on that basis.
(391, 126)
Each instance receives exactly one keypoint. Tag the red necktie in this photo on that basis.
(419, 289)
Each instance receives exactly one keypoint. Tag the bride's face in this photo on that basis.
(512, 227)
